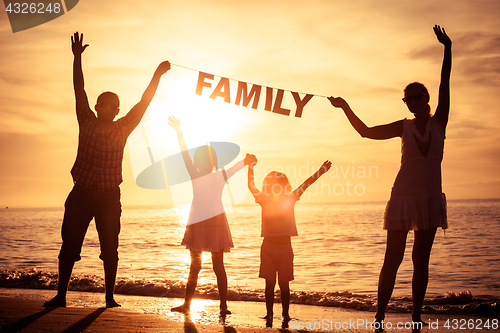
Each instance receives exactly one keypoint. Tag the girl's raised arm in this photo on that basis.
(443, 108)
(176, 124)
(380, 132)
(251, 182)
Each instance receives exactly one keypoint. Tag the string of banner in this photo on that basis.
(244, 96)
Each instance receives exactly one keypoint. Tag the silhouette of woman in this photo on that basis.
(417, 202)
(207, 228)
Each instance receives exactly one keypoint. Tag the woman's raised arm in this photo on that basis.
(443, 108)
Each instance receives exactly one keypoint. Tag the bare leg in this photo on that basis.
(194, 270)
(420, 255)
(394, 253)
(285, 299)
(220, 273)
(65, 269)
(110, 269)
(269, 294)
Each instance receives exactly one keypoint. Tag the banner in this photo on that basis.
(272, 97)
(156, 161)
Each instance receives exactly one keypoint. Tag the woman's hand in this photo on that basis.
(337, 102)
(442, 36)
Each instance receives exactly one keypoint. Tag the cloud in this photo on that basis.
(476, 57)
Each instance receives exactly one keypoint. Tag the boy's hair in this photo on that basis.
(108, 93)
(276, 183)
(205, 155)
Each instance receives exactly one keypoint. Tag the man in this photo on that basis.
(97, 174)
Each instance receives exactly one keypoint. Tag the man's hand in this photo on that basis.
(77, 44)
(163, 68)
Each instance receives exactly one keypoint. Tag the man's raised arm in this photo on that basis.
(82, 103)
(140, 108)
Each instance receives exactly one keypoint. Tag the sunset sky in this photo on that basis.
(364, 51)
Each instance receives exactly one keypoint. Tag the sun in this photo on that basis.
(203, 120)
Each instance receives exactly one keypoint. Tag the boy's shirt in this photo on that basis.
(278, 217)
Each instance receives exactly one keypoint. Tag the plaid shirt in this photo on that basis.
(100, 151)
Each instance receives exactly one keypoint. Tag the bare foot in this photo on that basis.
(182, 309)
(112, 304)
(269, 319)
(224, 312)
(56, 302)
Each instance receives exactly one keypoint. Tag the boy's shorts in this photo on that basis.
(276, 258)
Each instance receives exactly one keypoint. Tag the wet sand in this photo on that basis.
(24, 312)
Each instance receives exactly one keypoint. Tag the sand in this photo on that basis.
(22, 311)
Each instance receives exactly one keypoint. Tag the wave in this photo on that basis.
(451, 303)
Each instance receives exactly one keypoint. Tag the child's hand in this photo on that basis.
(175, 123)
(326, 166)
(337, 102)
(250, 160)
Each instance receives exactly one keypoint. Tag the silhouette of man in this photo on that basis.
(97, 174)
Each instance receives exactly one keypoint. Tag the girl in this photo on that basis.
(207, 228)
(417, 202)
(278, 226)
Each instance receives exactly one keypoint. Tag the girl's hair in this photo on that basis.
(205, 155)
(418, 85)
(276, 183)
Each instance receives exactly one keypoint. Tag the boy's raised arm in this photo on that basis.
(309, 181)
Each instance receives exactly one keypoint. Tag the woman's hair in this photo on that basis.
(276, 183)
(419, 86)
(422, 88)
(205, 155)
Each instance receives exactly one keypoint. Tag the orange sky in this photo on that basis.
(365, 51)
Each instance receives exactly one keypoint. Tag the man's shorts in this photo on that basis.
(83, 205)
(276, 259)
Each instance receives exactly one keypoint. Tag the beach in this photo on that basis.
(334, 287)
(23, 311)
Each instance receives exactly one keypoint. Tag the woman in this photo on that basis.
(417, 202)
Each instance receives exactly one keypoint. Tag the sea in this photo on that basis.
(338, 256)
